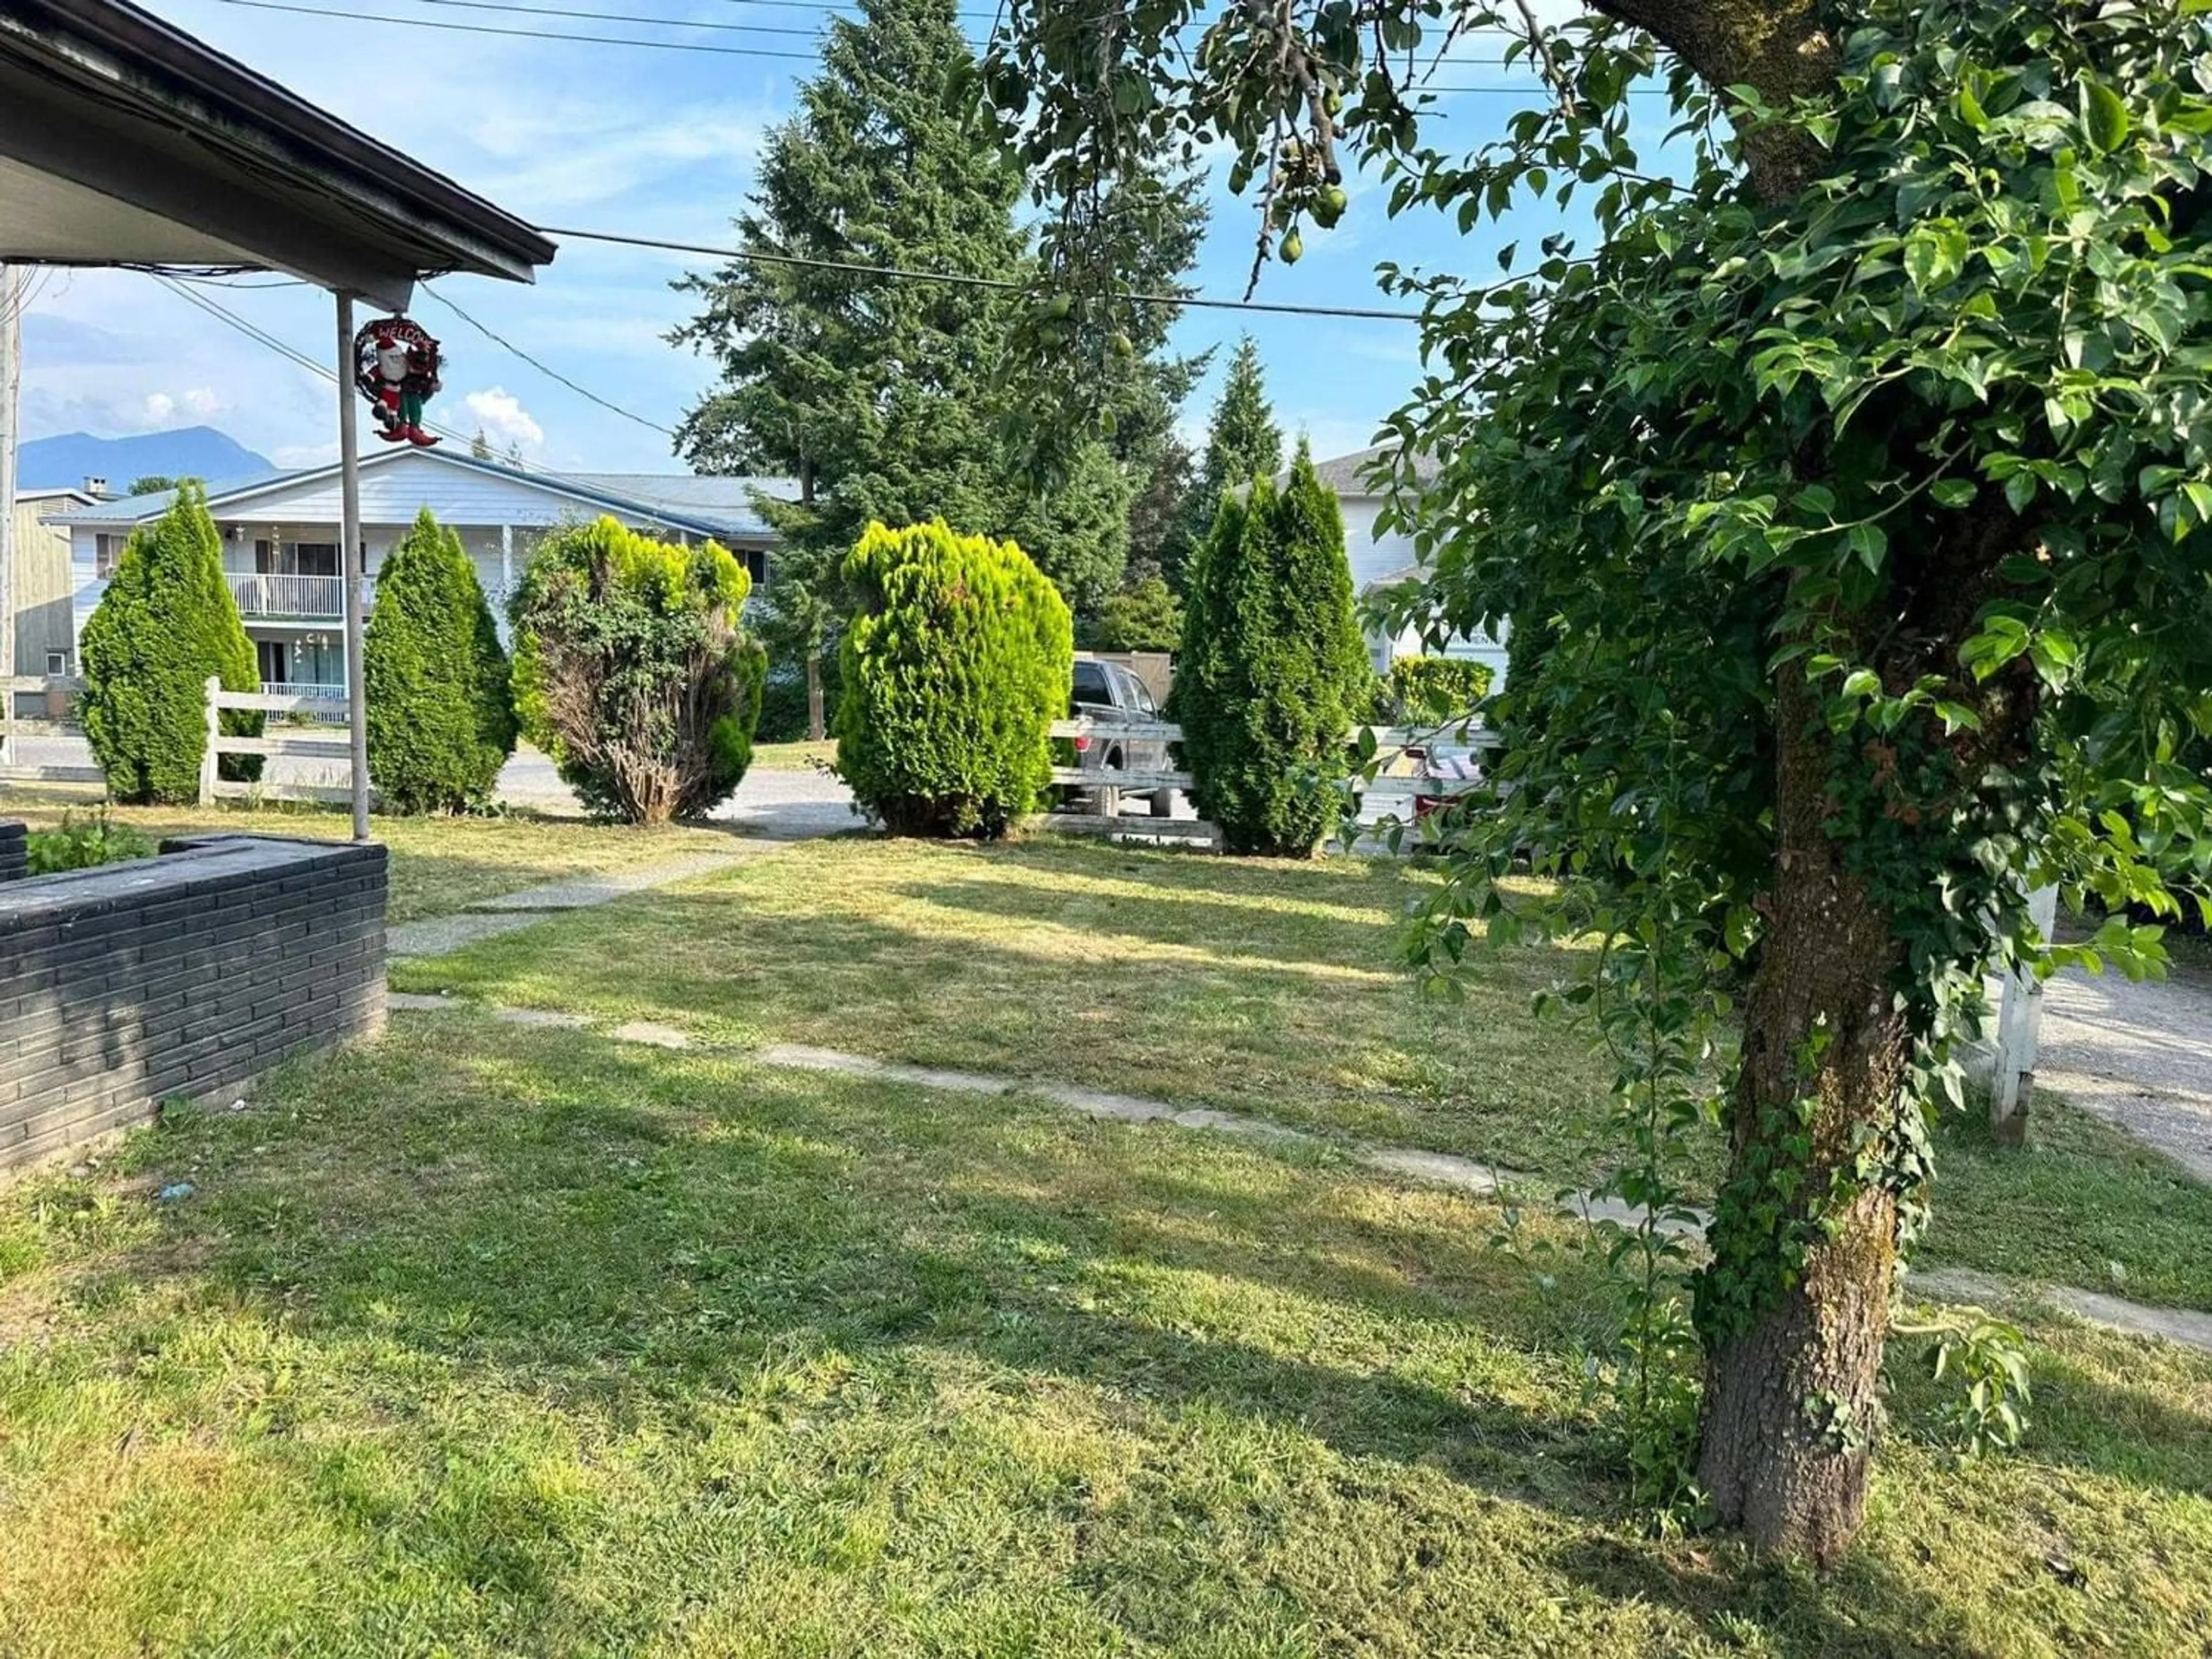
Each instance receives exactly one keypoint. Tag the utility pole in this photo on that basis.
(12, 284)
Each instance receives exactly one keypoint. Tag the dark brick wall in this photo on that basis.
(14, 849)
(130, 984)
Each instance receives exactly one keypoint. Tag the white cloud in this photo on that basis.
(504, 420)
(566, 153)
(159, 406)
(202, 401)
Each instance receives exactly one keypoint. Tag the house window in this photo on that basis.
(57, 663)
(105, 550)
(272, 652)
(295, 558)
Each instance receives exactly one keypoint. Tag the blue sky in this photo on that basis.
(652, 142)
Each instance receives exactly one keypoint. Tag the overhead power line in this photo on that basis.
(654, 21)
(962, 279)
(571, 37)
(520, 34)
(610, 17)
(550, 373)
(230, 319)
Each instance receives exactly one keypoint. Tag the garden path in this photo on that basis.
(1471, 1176)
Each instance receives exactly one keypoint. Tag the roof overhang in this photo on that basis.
(125, 141)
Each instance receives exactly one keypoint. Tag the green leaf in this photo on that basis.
(1870, 543)
(2199, 495)
(2104, 117)
(1953, 492)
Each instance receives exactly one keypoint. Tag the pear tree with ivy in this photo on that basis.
(1855, 461)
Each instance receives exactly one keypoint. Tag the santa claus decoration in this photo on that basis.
(395, 365)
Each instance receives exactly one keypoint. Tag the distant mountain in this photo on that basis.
(194, 452)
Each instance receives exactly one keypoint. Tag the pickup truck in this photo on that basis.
(1108, 695)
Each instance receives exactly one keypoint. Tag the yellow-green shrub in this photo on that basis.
(957, 664)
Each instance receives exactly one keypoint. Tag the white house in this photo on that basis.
(280, 537)
(1383, 560)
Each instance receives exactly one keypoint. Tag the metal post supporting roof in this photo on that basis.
(353, 561)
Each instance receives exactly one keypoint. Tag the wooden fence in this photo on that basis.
(1407, 781)
(297, 729)
(1107, 786)
(57, 719)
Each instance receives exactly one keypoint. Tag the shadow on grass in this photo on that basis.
(646, 1238)
(764, 956)
(1178, 917)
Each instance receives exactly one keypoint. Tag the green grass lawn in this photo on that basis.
(1268, 986)
(800, 757)
(438, 864)
(488, 1340)
(2082, 1203)
(1260, 986)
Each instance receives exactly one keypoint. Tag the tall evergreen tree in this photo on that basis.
(1159, 517)
(870, 391)
(1243, 443)
(1272, 672)
(877, 394)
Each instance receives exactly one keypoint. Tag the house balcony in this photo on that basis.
(328, 705)
(301, 598)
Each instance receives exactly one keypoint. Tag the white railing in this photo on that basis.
(269, 595)
(314, 703)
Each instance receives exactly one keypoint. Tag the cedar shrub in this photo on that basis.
(957, 664)
(633, 672)
(1272, 671)
(167, 623)
(441, 715)
(1427, 689)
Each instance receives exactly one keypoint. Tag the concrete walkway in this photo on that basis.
(509, 913)
(2190, 1329)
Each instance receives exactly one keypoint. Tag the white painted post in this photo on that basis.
(505, 568)
(2019, 1029)
(351, 563)
(208, 759)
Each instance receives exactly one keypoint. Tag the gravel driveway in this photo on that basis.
(2139, 1055)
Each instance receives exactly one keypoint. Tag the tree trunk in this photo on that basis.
(1777, 46)
(1794, 1348)
(815, 730)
